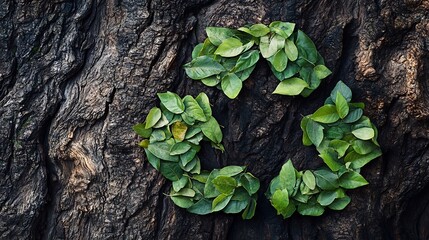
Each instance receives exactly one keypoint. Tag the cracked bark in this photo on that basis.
(76, 75)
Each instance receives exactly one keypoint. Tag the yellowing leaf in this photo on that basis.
(178, 129)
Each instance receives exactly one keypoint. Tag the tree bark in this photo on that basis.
(76, 75)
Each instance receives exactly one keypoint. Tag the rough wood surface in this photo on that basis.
(76, 75)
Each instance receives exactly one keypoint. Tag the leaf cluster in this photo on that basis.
(346, 141)
(227, 57)
(230, 190)
(172, 133)
(171, 139)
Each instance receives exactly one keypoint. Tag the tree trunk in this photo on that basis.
(76, 75)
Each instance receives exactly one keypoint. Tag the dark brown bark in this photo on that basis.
(76, 75)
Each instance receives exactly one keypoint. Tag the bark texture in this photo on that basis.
(76, 75)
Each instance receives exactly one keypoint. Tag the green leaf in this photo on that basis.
(231, 171)
(172, 102)
(279, 61)
(204, 103)
(202, 178)
(306, 47)
(325, 198)
(181, 183)
(249, 212)
(269, 47)
(305, 139)
(211, 81)
(292, 86)
(304, 189)
(353, 116)
(228, 63)
(188, 156)
(264, 47)
(203, 67)
(245, 74)
(153, 117)
(340, 146)
(314, 132)
(363, 147)
(364, 133)
(230, 47)
(291, 50)
(352, 180)
(307, 73)
(280, 200)
(256, 30)
(183, 202)
(225, 184)
(235, 206)
(202, 207)
(250, 183)
(218, 34)
(340, 203)
(192, 131)
(321, 71)
(231, 85)
(171, 117)
(341, 105)
(360, 105)
(162, 150)
(209, 188)
(343, 89)
(326, 114)
(259, 30)
(326, 180)
(197, 168)
(180, 148)
(199, 189)
(154, 161)
(141, 130)
(291, 69)
(178, 129)
(171, 171)
(290, 209)
(157, 136)
(246, 60)
(161, 122)
(284, 29)
(240, 194)
(185, 192)
(220, 202)
(274, 185)
(193, 109)
(335, 132)
(196, 139)
(197, 49)
(364, 122)
(359, 160)
(207, 49)
(287, 176)
(310, 209)
(189, 165)
(211, 130)
(309, 179)
(330, 158)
